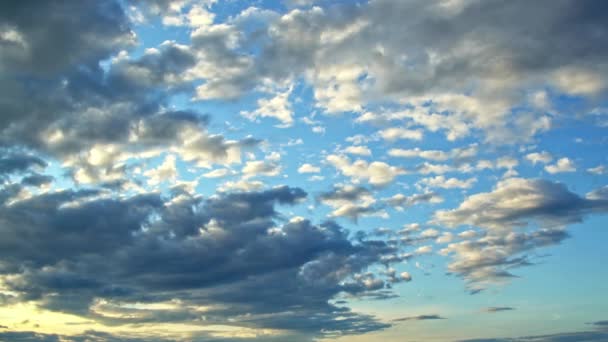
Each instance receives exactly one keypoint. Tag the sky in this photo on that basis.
(303, 170)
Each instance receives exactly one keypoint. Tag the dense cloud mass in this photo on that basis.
(232, 171)
(226, 253)
(503, 214)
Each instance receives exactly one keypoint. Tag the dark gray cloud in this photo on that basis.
(48, 37)
(15, 162)
(230, 249)
(63, 96)
(37, 180)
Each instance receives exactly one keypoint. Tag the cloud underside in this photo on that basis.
(227, 259)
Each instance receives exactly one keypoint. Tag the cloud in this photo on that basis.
(447, 183)
(513, 203)
(396, 133)
(435, 155)
(493, 309)
(277, 107)
(351, 202)
(260, 272)
(358, 150)
(351, 56)
(58, 40)
(418, 318)
(308, 168)
(401, 201)
(258, 168)
(598, 170)
(562, 165)
(376, 173)
(539, 157)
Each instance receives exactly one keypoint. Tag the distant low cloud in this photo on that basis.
(493, 309)
(418, 318)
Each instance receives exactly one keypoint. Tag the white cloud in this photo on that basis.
(447, 183)
(261, 168)
(562, 165)
(434, 155)
(278, 107)
(424, 250)
(358, 150)
(217, 173)
(376, 173)
(241, 185)
(166, 171)
(539, 157)
(397, 133)
(308, 168)
(598, 170)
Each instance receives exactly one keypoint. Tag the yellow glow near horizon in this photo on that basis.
(29, 317)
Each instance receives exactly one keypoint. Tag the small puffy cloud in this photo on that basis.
(278, 107)
(308, 168)
(241, 185)
(562, 165)
(539, 157)
(405, 276)
(258, 168)
(358, 150)
(398, 133)
(494, 309)
(598, 170)
(217, 173)
(424, 250)
(166, 171)
(446, 237)
(447, 183)
(435, 155)
(376, 173)
(350, 201)
(401, 201)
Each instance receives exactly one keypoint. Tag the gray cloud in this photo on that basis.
(521, 49)
(229, 250)
(350, 201)
(16, 162)
(518, 217)
(516, 201)
(48, 37)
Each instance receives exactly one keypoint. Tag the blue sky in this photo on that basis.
(301, 170)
